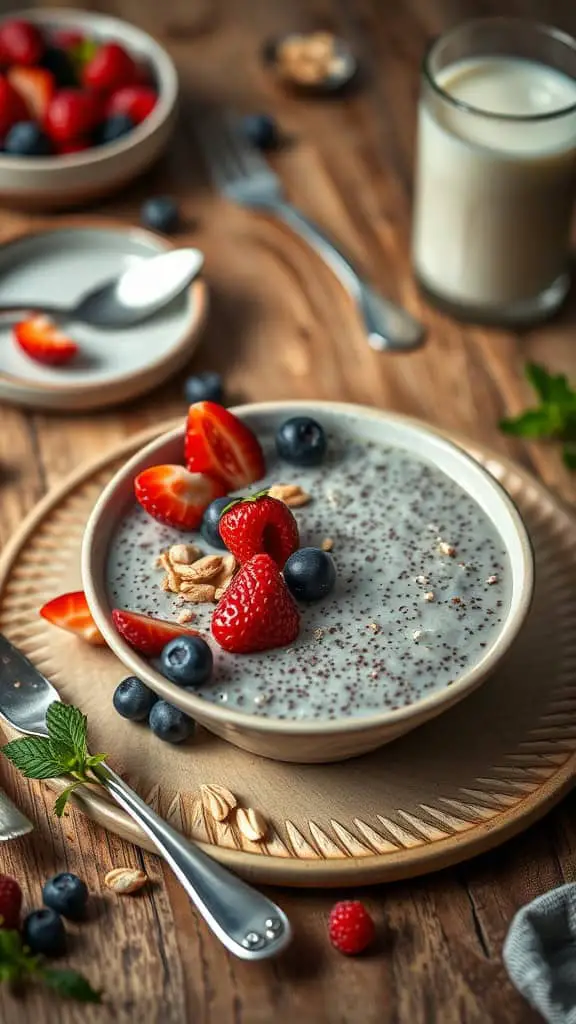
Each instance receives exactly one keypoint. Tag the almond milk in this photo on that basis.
(495, 182)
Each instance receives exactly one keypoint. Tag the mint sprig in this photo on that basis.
(18, 964)
(554, 418)
(63, 752)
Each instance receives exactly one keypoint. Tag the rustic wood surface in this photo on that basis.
(280, 327)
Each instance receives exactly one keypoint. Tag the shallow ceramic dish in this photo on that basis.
(113, 365)
(319, 740)
(64, 181)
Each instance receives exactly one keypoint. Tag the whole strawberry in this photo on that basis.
(351, 928)
(10, 902)
(260, 526)
(257, 611)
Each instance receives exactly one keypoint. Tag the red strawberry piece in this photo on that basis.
(67, 38)
(218, 442)
(12, 107)
(35, 86)
(176, 497)
(10, 902)
(72, 114)
(40, 339)
(110, 68)
(351, 928)
(146, 634)
(20, 42)
(73, 146)
(137, 101)
(257, 611)
(71, 612)
(260, 525)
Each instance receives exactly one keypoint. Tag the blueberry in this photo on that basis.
(310, 574)
(66, 894)
(204, 387)
(261, 131)
(61, 65)
(169, 723)
(160, 214)
(43, 932)
(187, 660)
(301, 441)
(114, 128)
(211, 520)
(133, 699)
(26, 138)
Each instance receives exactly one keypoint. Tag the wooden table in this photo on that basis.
(280, 327)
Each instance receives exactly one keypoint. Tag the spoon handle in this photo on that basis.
(36, 307)
(245, 921)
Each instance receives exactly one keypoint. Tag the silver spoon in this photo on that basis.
(249, 924)
(135, 295)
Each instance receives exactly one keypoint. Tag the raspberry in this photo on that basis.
(351, 928)
(10, 902)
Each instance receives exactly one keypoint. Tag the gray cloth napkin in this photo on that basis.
(540, 954)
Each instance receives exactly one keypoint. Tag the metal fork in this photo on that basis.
(244, 176)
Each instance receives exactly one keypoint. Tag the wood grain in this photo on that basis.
(280, 327)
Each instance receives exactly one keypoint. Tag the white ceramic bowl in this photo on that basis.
(58, 181)
(317, 741)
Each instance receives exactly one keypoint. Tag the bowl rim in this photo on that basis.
(197, 295)
(164, 69)
(464, 684)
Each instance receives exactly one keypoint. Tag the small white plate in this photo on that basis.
(112, 365)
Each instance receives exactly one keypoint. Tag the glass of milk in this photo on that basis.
(496, 170)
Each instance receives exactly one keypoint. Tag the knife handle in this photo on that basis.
(245, 921)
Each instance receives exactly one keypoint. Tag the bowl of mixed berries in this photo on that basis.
(87, 102)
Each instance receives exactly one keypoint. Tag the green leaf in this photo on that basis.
(67, 726)
(550, 387)
(70, 984)
(33, 758)
(10, 946)
(542, 422)
(569, 456)
(63, 798)
(95, 759)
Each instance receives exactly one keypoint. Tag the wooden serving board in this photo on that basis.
(457, 786)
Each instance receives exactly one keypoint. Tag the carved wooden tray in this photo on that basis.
(460, 785)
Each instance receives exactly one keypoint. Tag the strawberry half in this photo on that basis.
(218, 442)
(71, 612)
(257, 611)
(40, 339)
(36, 87)
(146, 634)
(176, 497)
(260, 525)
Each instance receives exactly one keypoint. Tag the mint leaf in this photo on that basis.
(542, 422)
(63, 798)
(67, 727)
(550, 387)
(33, 757)
(70, 984)
(95, 759)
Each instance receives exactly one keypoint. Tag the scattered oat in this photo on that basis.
(327, 544)
(492, 579)
(125, 880)
(217, 801)
(290, 494)
(417, 634)
(185, 616)
(422, 580)
(446, 549)
(318, 634)
(430, 596)
(251, 823)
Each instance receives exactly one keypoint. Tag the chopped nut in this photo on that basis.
(318, 634)
(430, 596)
(446, 549)
(202, 570)
(291, 494)
(374, 627)
(125, 880)
(327, 544)
(165, 584)
(173, 582)
(185, 554)
(217, 801)
(417, 634)
(197, 593)
(228, 568)
(422, 580)
(492, 579)
(251, 823)
(185, 616)
(158, 563)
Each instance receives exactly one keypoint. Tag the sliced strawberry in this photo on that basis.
(21, 42)
(257, 611)
(36, 87)
(12, 107)
(72, 114)
(71, 612)
(176, 497)
(218, 442)
(40, 339)
(146, 634)
(137, 101)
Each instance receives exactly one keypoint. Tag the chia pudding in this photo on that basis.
(424, 584)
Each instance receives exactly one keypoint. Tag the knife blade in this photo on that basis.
(13, 823)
